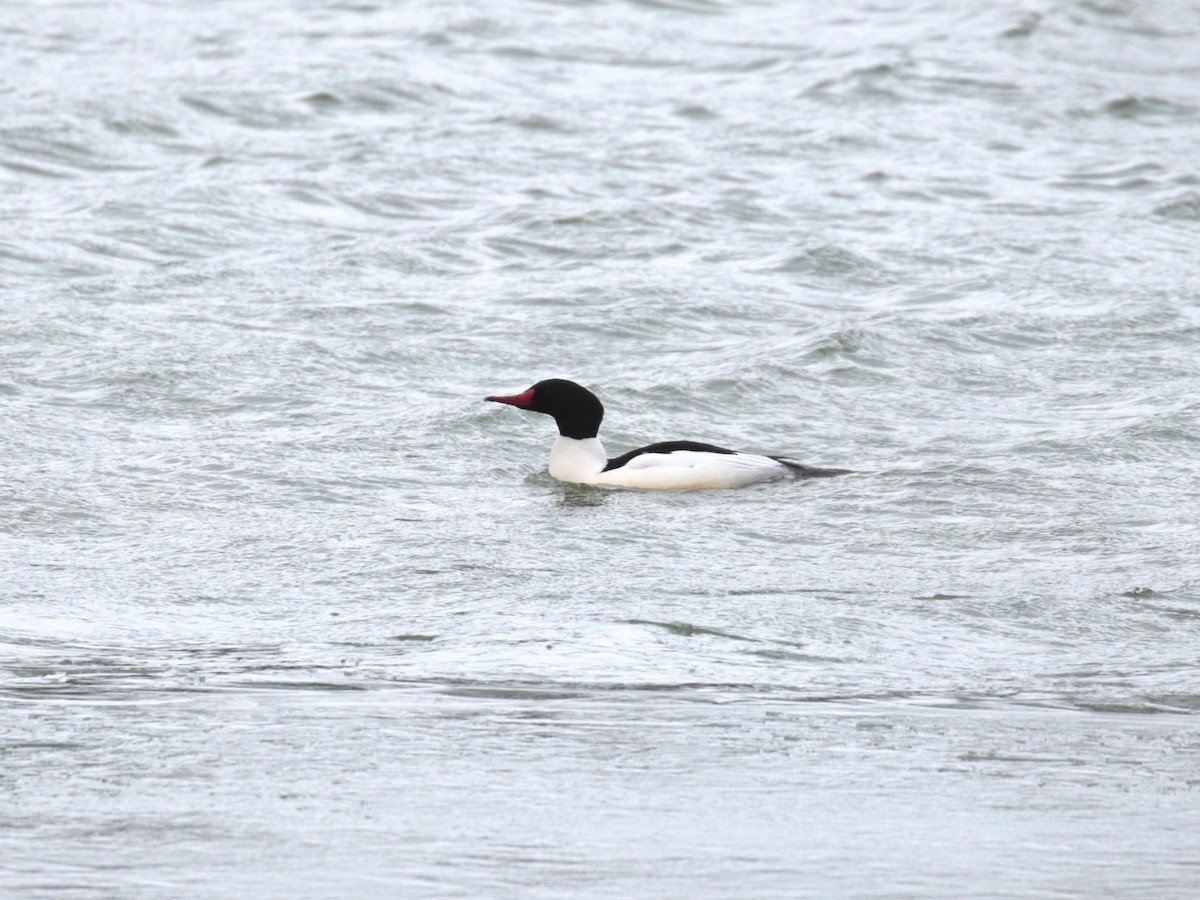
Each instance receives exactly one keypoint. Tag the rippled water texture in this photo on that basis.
(286, 610)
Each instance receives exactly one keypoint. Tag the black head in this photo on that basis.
(577, 410)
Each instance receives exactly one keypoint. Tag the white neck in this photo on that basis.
(580, 461)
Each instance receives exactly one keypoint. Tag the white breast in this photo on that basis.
(577, 461)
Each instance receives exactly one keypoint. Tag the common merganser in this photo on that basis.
(578, 456)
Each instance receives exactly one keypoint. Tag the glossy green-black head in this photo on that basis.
(577, 410)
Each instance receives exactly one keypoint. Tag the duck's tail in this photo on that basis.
(800, 470)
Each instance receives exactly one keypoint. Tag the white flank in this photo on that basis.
(583, 461)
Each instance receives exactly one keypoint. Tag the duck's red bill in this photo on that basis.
(521, 400)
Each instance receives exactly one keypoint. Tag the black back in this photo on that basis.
(663, 447)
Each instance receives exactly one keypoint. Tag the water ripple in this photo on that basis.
(276, 578)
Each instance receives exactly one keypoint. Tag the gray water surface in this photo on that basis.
(286, 610)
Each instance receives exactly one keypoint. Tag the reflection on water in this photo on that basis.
(577, 495)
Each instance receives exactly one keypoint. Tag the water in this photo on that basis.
(288, 611)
